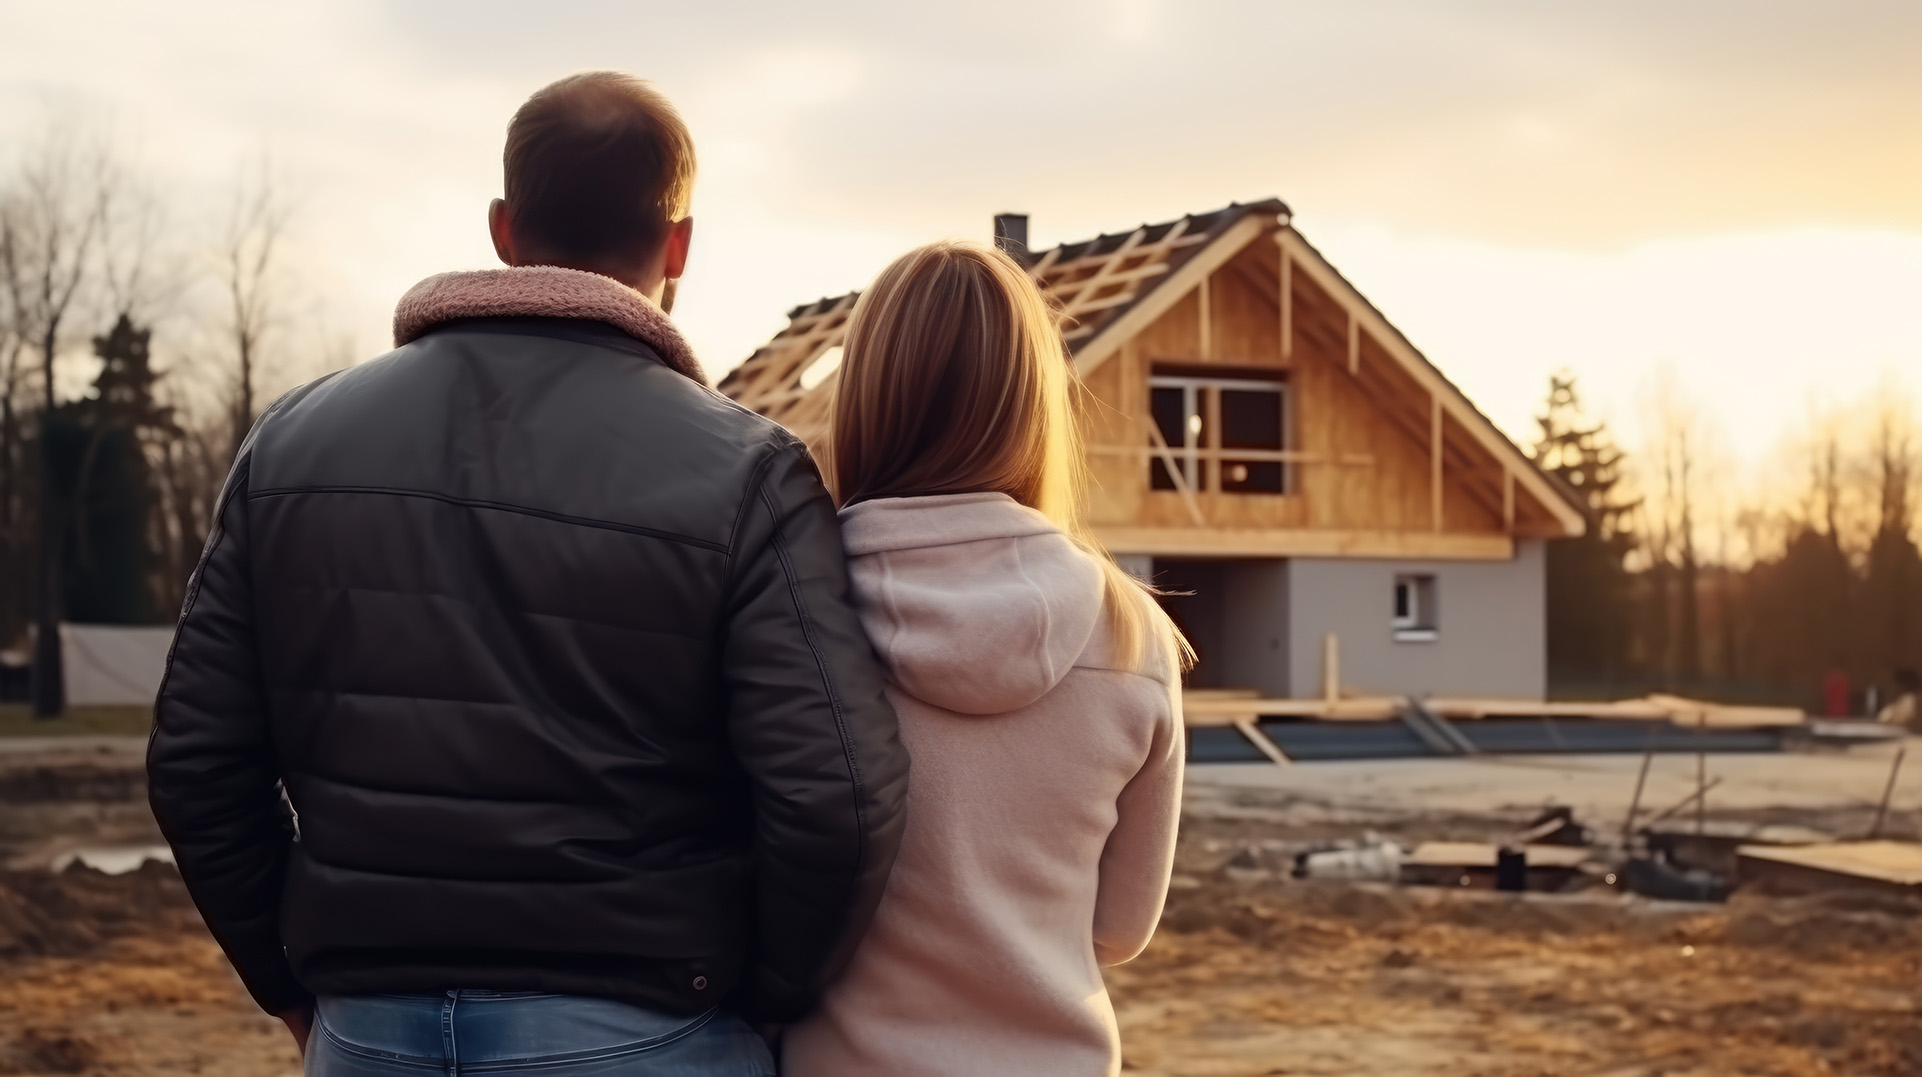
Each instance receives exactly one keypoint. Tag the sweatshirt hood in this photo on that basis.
(976, 603)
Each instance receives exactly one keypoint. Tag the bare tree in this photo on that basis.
(140, 274)
(1893, 455)
(63, 196)
(251, 275)
(1891, 600)
(1673, 621)
(189, 468)
(1680, 467)
(57, 212)
(15, 532)
(13, 347)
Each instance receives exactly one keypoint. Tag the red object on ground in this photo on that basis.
(1835, 692)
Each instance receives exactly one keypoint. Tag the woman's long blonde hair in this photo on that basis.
(954, 380)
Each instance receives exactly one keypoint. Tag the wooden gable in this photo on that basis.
(1383, 455)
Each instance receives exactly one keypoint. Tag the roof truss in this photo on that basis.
(1109, 289)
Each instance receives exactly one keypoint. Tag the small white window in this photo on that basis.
(1415, 619)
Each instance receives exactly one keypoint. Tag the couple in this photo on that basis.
(532, 710)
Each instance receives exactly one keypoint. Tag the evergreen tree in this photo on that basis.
(1805, 600)
(1892, 574)
(104, 487)
(1589, 600)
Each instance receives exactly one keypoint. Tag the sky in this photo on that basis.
(1718, 201)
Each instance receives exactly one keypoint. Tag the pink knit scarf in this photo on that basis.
(543, 292)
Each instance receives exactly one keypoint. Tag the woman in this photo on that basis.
(1036, 683)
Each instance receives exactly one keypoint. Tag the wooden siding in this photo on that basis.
(1386, 457)
(1363, 432)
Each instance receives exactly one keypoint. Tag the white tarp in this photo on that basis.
(114, 665)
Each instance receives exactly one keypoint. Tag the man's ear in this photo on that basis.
(679, 235)
(500, 225)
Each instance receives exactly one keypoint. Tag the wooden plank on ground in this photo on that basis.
(1481, 854)
(1456, 708)
(1222, 706)
(1881, 864)
(1693, 712)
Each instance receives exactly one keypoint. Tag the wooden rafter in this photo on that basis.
(1090, 283)
(770, 381)
(1476, 426)
(1434, 459)
(1287, 303)
(1175, 287)
(1306, 542)
(1109, 290)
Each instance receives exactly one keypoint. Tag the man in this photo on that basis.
(585, 757)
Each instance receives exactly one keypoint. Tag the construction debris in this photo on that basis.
(1370, 861)
(1221, 706)
(1477, 865)
(1713, 847)
(1653, 877)
(1883, 866)
(1556, 826)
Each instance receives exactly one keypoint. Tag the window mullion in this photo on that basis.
(1287, 470)
(1211, 427)
(1190, 435)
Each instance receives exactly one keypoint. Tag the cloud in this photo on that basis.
(1521, 185)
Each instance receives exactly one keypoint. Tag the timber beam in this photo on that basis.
(1307, 542)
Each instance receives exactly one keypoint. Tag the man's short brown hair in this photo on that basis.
(598, 165)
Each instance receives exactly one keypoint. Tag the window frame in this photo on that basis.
(1187, 454)
(1201, 399)
(1421, 623)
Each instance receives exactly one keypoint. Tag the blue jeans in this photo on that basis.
(505, 1032)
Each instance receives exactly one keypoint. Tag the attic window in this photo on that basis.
(822, 368)
(1224, 435)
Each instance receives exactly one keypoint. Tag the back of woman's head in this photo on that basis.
(950, 368)
(954, 380)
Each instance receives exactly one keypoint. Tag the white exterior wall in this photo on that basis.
(114, 665)
(1491, 640)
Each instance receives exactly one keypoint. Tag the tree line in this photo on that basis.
(133, 354)
(1787, 595)
(111, 457)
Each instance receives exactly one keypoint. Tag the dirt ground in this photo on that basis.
(1253, 972)
(115, 975)
(1256, 973)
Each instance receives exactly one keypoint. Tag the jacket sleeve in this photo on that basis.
(1140, 855)
(211, 773)
(816, 735)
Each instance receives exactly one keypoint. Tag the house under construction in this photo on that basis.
(1267, 443)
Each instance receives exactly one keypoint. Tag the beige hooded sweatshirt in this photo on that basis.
(1042, 802)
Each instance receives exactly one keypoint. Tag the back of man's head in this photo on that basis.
(598, 166)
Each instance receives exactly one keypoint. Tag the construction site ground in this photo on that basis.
(1253, 971)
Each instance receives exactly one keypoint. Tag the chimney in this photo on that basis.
(1011, 234)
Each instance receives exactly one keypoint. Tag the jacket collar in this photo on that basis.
(543, 292)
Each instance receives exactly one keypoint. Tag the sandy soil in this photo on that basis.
(1252, 973)
(116, 975)
(1256, 974)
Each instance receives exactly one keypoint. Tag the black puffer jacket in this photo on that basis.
(551, 649)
